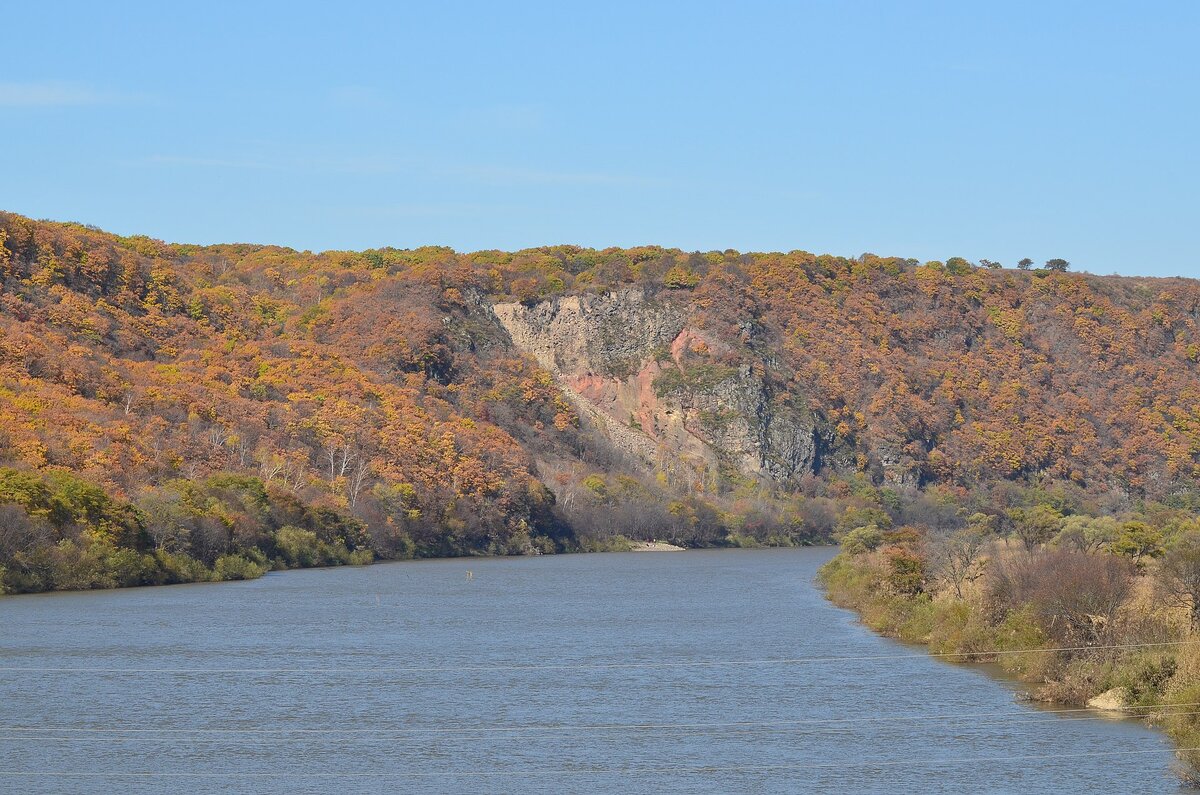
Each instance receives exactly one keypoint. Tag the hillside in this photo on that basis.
(168, 411)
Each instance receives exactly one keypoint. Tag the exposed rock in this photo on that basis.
(1114, 700)
(608, 334)
(600, 348)
(655, 546)
(624, 359)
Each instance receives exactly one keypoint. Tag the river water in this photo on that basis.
(567, 674)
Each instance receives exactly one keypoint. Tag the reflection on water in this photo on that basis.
(556, 674)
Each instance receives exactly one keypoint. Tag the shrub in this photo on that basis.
(128, 567)
(614, 543)
(178, 567)
(361, 557)
(739, 541)
(861, 540)
(1145, 675)
(1075, 596)
(69, 566)
(299, 548)
(236, 567)
(1021, 629)
(906, 571)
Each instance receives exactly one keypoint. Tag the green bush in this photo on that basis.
(615, 543)
(1145, 674)
(906, 571)
(178, 568)
(128, 567)
(236, 567)
(862, 539)
(693, 379)
(299, 548)
(69, 566)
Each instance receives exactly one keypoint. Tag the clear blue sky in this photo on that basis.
(929, 130)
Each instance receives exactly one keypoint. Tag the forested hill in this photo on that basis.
(172, 412)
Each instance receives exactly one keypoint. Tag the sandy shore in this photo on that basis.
(654, 546)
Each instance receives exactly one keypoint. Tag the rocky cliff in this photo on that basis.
(666, 391)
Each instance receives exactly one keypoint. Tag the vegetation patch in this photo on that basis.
(692, 379)
(1073, 623)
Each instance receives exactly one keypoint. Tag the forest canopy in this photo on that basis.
(166, 406)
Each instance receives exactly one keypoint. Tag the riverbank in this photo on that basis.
(95, 565)
(1152, 672)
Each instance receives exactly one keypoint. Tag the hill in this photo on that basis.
(172, 412)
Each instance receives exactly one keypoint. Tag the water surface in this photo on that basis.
(579, 673)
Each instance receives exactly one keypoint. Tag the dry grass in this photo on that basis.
(1153, 675)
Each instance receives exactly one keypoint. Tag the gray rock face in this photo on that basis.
(609, 353)
(600, 334)
(739, 418)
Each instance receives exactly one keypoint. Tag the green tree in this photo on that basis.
(1036, 525)
(299, 547)
(1138, 540)
(1087, 533)
(680, 277)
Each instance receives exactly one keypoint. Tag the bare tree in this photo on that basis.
(244, 447)
(956, 557)
(1179, 573)
(19, 532)
(217, 435)
(270, 466)
(1076, 596)
(357, 481)
(292, 473)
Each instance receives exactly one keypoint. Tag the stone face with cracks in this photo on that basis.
(607, 352)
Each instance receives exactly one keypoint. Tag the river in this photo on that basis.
(563, 674)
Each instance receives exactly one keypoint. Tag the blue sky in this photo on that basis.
(919, 129)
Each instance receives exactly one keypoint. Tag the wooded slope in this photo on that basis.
(218, 394)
